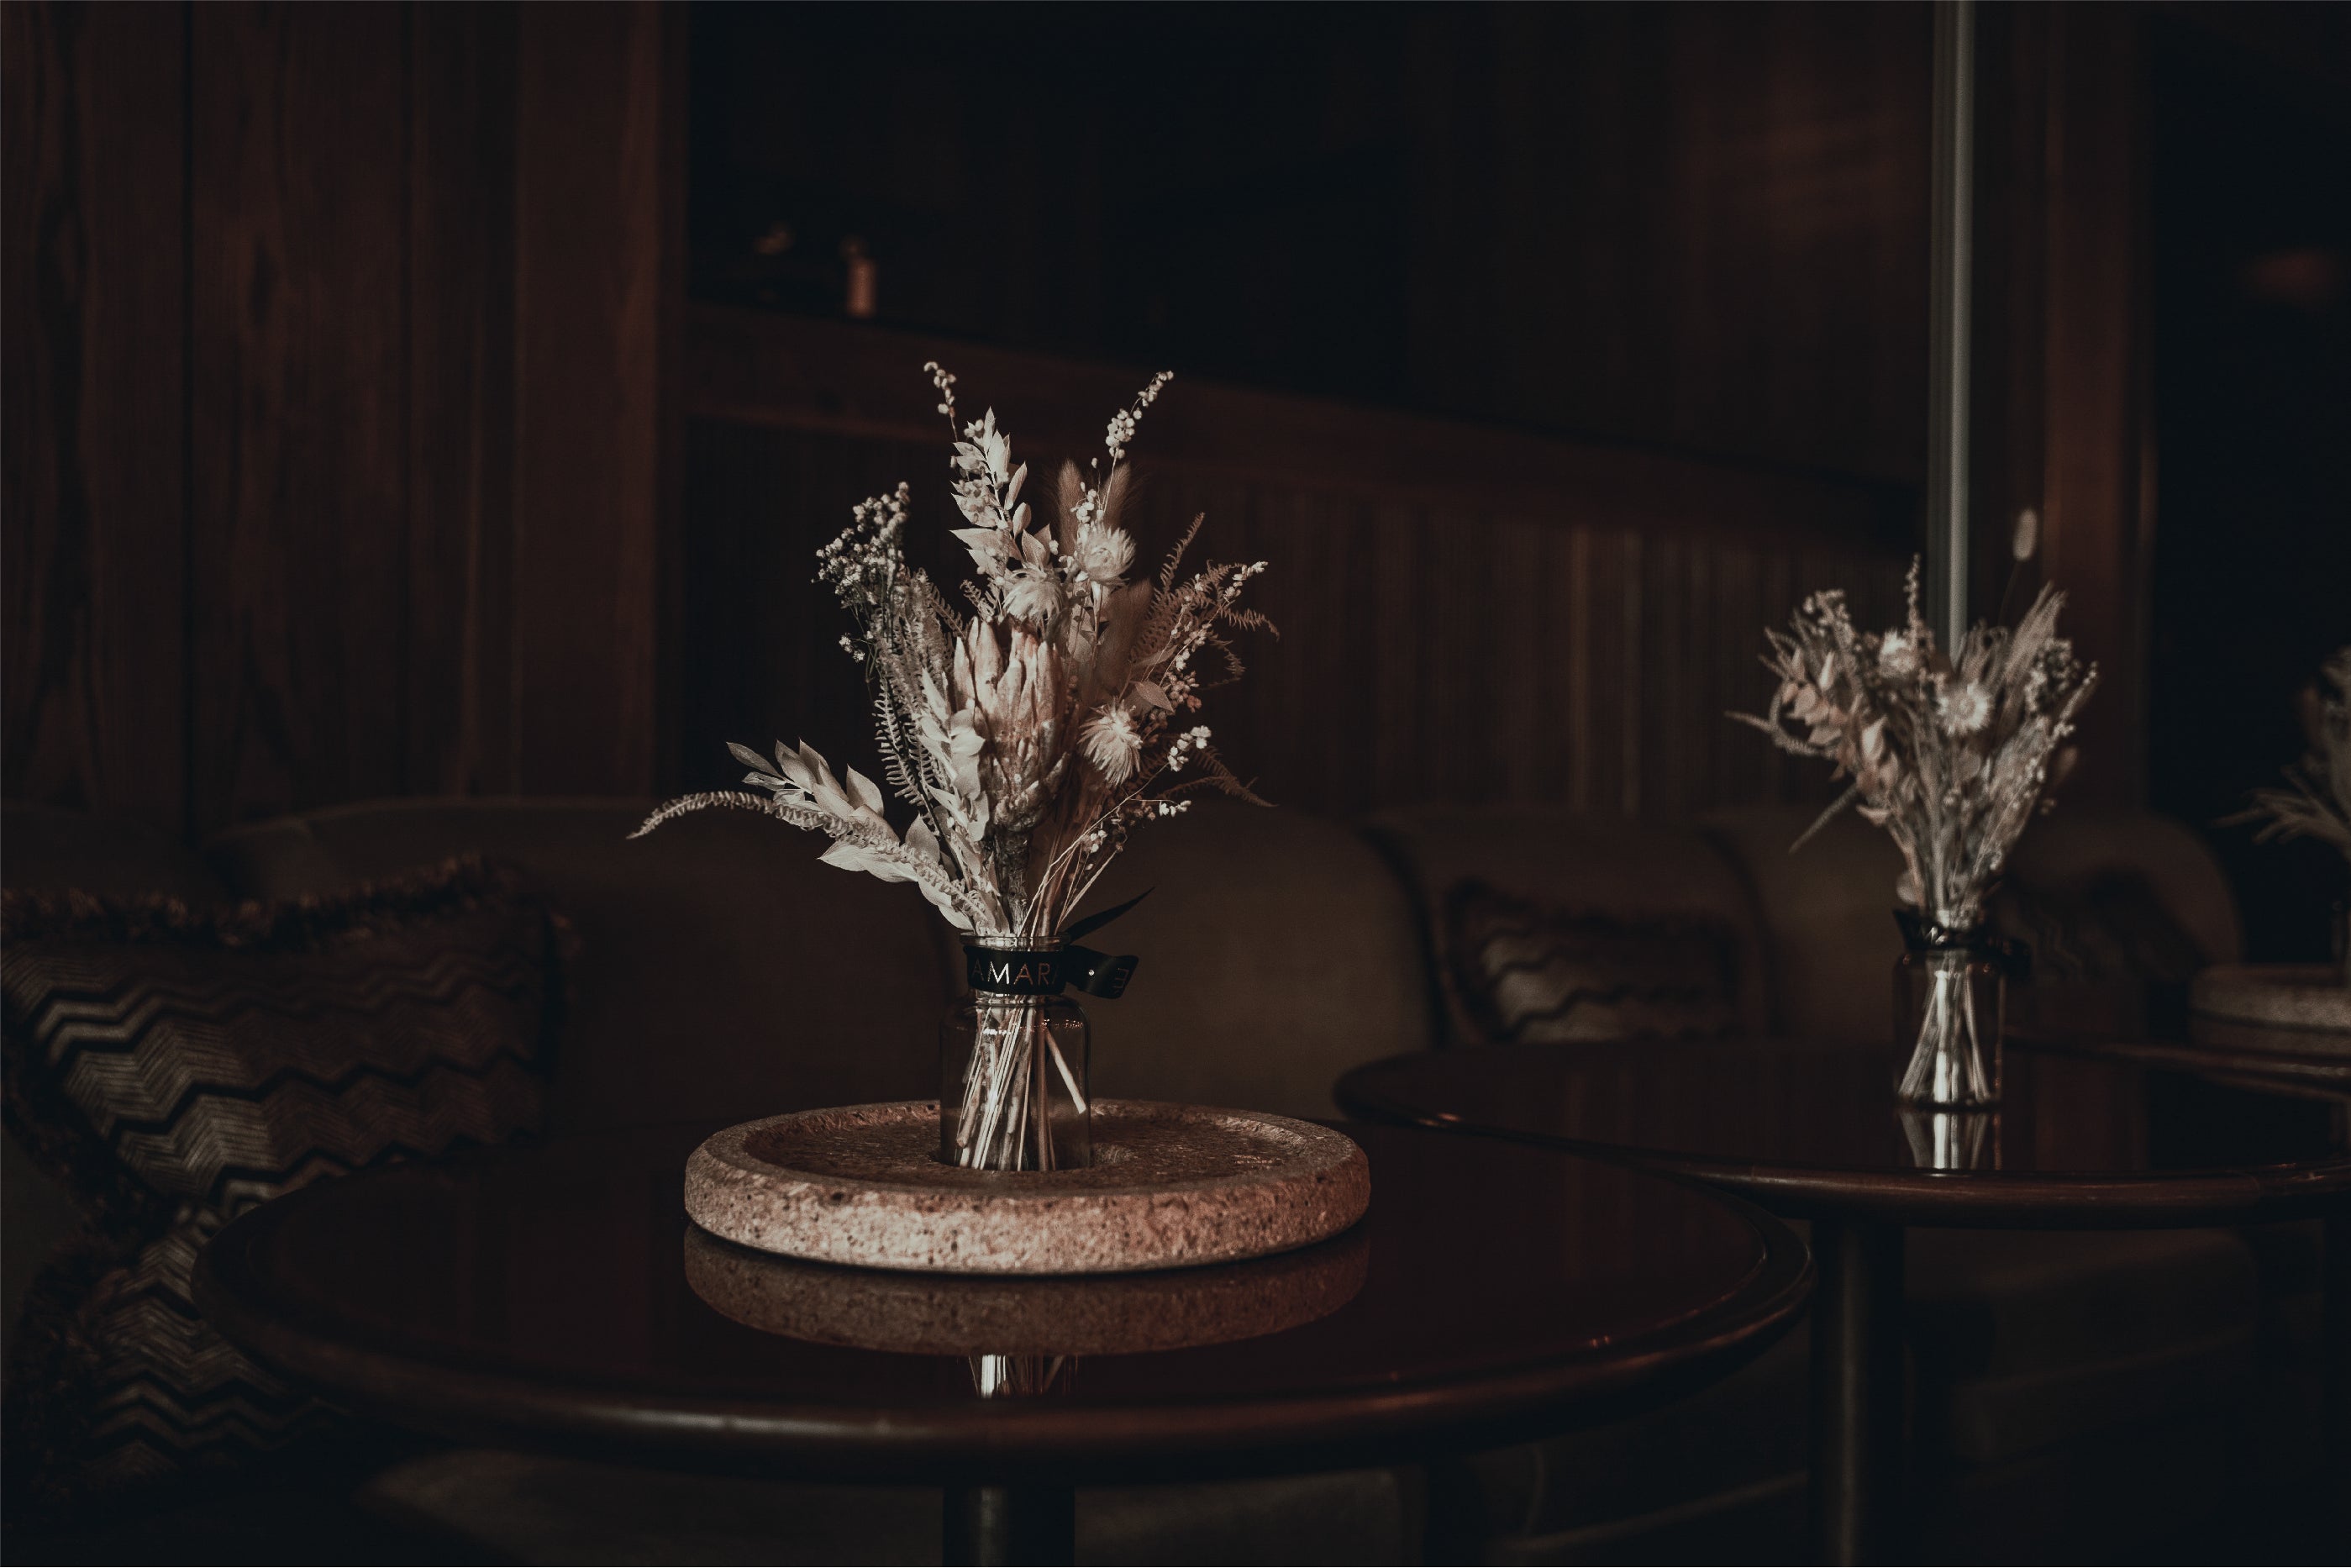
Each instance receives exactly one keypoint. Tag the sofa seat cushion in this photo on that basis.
(1726, 1462)
(724, 972)
(2028, 1350)
(1663, 886)
(2025, 1339)
(532, 1508)
(174, 1068)
(299, 1520)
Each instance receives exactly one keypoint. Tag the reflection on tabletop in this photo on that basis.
(1023, 1335)
(1952, 1140)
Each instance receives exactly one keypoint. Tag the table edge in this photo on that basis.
(1952, 1199)
(1372, 1423)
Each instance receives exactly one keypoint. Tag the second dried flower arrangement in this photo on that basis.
(2317, 801)
(1951, 753)
(1029, 728)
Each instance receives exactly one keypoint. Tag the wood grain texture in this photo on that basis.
(461, 393)
(1570, 633)
(298, 330)
(1700, 224)
(589, 257)
(298, 412)
(92, 484)
(2097, 494)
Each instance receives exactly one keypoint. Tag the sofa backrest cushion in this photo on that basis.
(1827, 909)
(46, 848)
(1593, 894)
(1277, 952)
(722, 972)
(1829, 938)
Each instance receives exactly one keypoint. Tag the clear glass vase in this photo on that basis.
(1943, 1140)
(1013, 1060)
(1948, 992)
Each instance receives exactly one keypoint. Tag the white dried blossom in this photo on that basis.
(1104, 555)
(1113, 744)
(1967, 708)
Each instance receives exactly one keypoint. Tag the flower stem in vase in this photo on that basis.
(1952, 1021)
(1013, 1082)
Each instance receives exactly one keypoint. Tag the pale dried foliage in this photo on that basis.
(1950, 755)
(1033, 725)
(2316, 801)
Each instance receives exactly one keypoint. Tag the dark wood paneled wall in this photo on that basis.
(1701, 224)
(342, 416)
(2064, 405)
(1465, 615)
(1704, 225)
(335, 452)
(94, 444)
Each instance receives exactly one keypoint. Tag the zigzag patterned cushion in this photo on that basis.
(176, 1068)
(1525, 973)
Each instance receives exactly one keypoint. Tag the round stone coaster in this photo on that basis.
(979, 1314)
(1170, 1187)
(2274, 996)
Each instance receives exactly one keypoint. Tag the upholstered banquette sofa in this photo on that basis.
(2062, 1381)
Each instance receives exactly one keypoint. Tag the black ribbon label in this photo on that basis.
(1013, 972)
(1920, 934)
(1047, 972)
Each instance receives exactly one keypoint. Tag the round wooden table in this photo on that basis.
(557, 1296)
(2083, 1140)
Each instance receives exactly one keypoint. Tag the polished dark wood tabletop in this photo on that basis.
(557, 1295)
(2082, 1137)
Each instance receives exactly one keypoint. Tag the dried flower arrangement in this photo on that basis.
(1951, 753)
(1030, 734)
(2317, 801)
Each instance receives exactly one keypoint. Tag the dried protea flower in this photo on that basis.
(1030, 737)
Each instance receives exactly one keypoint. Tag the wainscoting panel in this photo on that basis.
(1506, 645)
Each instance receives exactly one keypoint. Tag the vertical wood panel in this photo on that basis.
(460, 524)
(590, 260)
(298, 419)
(95, 486)
(1427, 654)
(2094, 324)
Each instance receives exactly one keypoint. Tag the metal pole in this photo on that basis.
(1953, 289)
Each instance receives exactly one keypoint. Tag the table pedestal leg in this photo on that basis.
(1856, 1416)
(995, 1526)
(2334, 1372)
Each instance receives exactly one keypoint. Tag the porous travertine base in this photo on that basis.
(973, 1314)
(1170, 1187)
